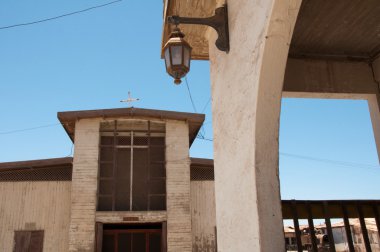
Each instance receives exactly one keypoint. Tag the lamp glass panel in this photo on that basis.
(167, 57)
(186, 55)
(176, 55)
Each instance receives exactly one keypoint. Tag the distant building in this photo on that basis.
(339, 234)
(340, 237)
(290, 238)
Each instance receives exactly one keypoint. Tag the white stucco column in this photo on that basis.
(374, 106)
(178, 187)
(246, 93)
(83, 186)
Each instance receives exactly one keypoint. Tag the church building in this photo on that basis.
(130, 186)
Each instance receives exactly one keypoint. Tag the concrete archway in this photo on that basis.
(246, 93)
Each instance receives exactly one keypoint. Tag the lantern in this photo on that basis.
(177, 54)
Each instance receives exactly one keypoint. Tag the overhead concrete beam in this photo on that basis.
(329, 76)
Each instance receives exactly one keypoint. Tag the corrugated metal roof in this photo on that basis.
(56, 169)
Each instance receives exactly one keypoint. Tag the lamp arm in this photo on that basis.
(219, 22)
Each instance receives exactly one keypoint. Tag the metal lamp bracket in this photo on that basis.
(219, 22)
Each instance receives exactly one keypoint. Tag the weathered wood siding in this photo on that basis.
(203, 220)
(43, 205)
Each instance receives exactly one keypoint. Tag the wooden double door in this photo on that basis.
(132, 238)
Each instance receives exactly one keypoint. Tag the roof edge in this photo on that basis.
(68, 118)
(204, 162)
(38, 163)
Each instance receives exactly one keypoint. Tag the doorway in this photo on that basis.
(132, 238)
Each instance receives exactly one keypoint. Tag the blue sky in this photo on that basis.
(91, 60)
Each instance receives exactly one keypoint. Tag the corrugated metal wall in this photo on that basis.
(35, 206)
(203, 220)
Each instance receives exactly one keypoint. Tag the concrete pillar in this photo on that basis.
(374, 105)
(84, 186)
(246, 94)
(178, 187)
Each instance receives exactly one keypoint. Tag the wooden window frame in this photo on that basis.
(99, 235)
(132, 134)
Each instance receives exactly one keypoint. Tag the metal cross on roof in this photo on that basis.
(130, 99)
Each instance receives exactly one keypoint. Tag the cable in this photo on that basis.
(350, 164)
(71, 150)
(343, 163)
(191, 97)
(204, 108)
(27, 129)
(202, 137)
(60, 16)
(205, 138)
(202, 130)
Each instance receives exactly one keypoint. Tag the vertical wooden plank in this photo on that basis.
(98, 178)
(296, 225)
(36, 241)
(216, 239)
(328, 226)
(347, 228)
(147, 238)
(131, 177)
(99, 236)
(377, 218)
(116, 240)
(114, 166)
(311, 227)
(364, 228)
(149, 166)
(22, 241)
(164, 240)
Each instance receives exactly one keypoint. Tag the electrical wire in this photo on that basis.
(60, 16)
(203, 125)
(202, 137)
(27, 129)
(191, 97)
(71, 150)
(205, 138)
(202, 132)
(336, 162)
(205, 107)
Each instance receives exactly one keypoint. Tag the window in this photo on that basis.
(29, 241)
(132, 166)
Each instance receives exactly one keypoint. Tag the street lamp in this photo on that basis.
(177, 52)
(177, 55)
